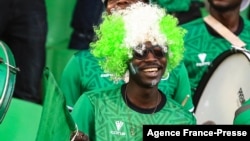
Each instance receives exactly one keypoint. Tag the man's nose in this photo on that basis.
(150, 56)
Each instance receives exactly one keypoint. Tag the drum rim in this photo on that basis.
(211, 69)
(9, 82)
(7, 74)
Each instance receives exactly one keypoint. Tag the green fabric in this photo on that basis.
(173, 5)
(57, 56)
(242, 115)
(104, 115)
(203, 47)
(56, 123)
(81, 74)
(177, 86)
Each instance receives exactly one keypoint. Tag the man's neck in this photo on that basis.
(229, 19)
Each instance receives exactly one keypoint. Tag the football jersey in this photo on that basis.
(105, 115)
(203, 45)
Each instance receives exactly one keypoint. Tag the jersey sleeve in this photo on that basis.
(182, 93)
(70, 81)
(83, 115)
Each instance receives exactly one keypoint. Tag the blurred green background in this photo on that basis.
(59, 30)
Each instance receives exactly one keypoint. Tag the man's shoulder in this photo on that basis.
(105, 91)
(179, 68)
(83, 53)
(84, 57)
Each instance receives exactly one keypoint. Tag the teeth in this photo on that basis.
(151, 69)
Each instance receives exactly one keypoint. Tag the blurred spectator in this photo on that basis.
(23, 27)
(184, 10)
(86, 14)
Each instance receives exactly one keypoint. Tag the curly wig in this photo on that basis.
(123, 31)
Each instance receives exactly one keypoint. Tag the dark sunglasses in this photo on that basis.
(155, 50)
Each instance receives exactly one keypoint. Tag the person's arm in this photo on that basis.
(70, 82)
(84, 116)
(182, 91)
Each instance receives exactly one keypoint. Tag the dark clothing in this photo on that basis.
(86, 14)
(193, 13)
(23, 27)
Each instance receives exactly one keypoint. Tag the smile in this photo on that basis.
(150, 70)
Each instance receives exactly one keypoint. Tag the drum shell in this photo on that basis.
(8, 78)
(224, 88)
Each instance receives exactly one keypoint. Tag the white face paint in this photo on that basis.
(132, 68)
(154, 82)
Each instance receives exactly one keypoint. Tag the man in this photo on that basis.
(82, 74)
(146, 46)
(203, 44)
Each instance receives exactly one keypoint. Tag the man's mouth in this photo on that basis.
(150, 70)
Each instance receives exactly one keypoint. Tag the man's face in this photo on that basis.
(147, 68)
(120, 4)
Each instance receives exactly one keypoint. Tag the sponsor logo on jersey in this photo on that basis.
(202, 57)
(119, 125)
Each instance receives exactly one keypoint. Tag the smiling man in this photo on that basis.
(148, 47)
(82, 73)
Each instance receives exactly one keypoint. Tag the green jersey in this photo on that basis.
(106, 115)
(203, 45)
(82, 74)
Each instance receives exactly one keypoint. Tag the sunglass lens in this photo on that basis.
(158, 53)
(140, 56)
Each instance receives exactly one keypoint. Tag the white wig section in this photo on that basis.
(147, 18)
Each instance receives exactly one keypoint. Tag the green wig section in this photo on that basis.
(175, 40)
(109, 46)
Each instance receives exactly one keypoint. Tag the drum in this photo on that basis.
(223, 88)
(8, 78)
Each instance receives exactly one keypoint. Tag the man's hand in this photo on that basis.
(79, 136)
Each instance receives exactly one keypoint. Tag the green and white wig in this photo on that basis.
(124, 30)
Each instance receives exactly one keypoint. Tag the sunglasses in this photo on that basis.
(155, 50)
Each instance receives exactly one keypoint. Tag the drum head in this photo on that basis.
(8, 78)
(223, 88)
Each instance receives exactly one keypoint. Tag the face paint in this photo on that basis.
(132, 68)
(154, 82)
